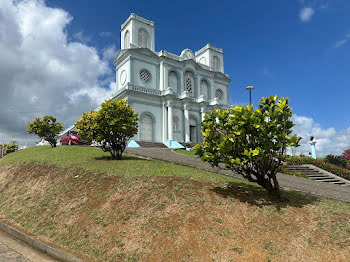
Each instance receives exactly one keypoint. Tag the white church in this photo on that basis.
(171, 93)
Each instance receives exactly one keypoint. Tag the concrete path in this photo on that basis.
(13, 250)
(286, 181)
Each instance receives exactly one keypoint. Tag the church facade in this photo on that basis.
(171, 93)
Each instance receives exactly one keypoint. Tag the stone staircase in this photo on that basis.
(315, 173)
(151, 144)
(184, 144)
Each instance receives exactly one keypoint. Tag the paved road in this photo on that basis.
(286, 181)
(13, 250)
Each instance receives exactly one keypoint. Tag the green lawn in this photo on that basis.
(94, 159)
(185, 152)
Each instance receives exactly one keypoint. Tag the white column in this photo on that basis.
(202, 113)
(187, 124)
(170, 121)
(199, 89)
(161, 76)
(164, 123)
(165, 73)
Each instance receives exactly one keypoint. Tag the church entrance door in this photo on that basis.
(193, 136)
(193, 130)
(146, 128)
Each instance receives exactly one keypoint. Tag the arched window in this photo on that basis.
(173, 80)
(176, 123)
(216, 62)
(189, 82)
(204, 88)
(127, 39)
(143, 38)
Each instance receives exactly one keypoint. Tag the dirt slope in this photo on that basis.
(102, 217)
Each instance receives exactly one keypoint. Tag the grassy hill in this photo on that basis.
(77, 199)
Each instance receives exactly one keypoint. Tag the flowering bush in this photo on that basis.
(336, 170)
(346, 154)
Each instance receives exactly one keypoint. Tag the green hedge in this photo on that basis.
(336, 170)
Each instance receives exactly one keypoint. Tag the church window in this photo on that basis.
(216, 62)
(189, 81)
(127, 40)
(204, 88)
(219, 94)
(145, 76)
(143, 38)
(173, 80)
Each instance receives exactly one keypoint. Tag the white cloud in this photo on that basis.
(306, 14)
(80, 36)
(329, 141)
(267, 72)
(109, 53)
(342, 42)
(106, 34)
(42, 72)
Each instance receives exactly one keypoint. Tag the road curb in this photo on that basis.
(51, 251)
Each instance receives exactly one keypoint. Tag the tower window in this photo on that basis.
(143, 38)
(219, 94)
(216, 62)
(127, 40)
(145, 76)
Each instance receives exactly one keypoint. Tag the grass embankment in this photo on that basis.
(141, 210)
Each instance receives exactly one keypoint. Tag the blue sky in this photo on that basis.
(64, 50)
(265, 43)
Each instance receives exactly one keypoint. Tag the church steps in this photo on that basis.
(318, 174)
(151, 144)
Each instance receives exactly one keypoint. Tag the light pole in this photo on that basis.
(250, 88)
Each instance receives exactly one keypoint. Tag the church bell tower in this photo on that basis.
(137, 32)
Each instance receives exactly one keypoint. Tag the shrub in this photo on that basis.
(250, 142)
(8, 148)
(335, 160)
(346, 154)
(112, 126)
(46, 128)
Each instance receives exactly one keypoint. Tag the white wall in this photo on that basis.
(123, 74)
(151, 68)
(224, 90)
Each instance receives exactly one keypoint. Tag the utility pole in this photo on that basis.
(2, 149)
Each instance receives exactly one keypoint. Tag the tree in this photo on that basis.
(250, 142)
(11, 147)
(46, 128)
(8, 148)
(112, 126)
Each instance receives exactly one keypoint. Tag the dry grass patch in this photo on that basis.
(103, 217)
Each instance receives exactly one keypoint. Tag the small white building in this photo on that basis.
(171, 93)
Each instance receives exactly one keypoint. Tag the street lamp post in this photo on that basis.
(250, 88)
